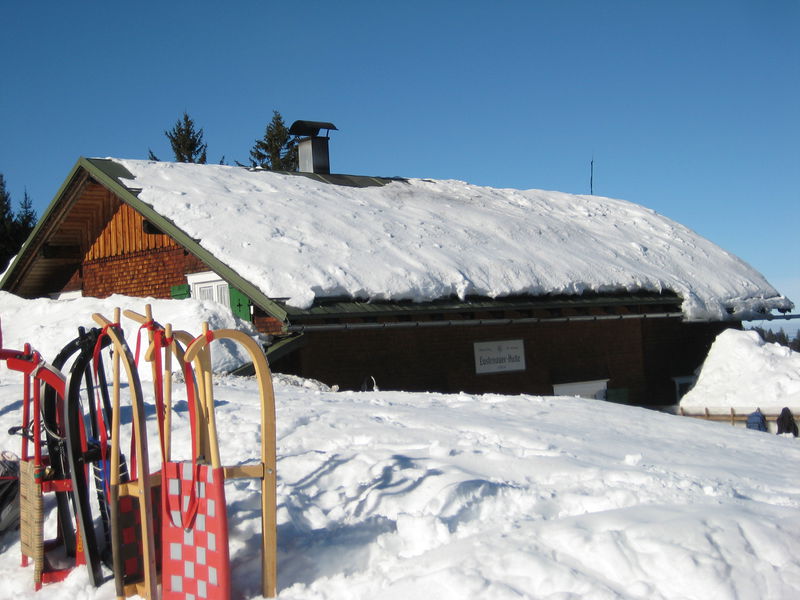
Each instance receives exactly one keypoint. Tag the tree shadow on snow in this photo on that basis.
(182, 406)
(13, 407)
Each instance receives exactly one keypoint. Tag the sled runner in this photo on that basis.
(195, 513)
(36, 474)
(131, 503)
(53, 417)
(87, 411)
(9, 496)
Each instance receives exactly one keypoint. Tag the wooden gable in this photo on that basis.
(91, 224)
(116, 229)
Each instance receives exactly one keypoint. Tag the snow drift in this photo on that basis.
(744, 373)
(299, 239)
(49, 324)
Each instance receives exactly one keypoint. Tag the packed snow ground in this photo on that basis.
(396, 495)
(436, 239)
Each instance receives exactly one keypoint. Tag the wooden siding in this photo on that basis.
(118, 255)
(639, 357)
(121, 230)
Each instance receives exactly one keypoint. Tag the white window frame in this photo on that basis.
(208, 281)
(67, 295)
(594, 389)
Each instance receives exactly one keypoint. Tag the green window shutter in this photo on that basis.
(240, 304)
(180, 292)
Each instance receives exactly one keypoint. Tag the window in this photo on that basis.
(682, 385)
(209, 286)
(595, 388)
(67, 295)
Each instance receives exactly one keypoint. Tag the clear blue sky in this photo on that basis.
(689, 107)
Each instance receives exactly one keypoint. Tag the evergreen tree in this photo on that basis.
(6, 215)
(25, 219)
(277, 150)
(7, 241)
(779, 337)
(187, 142)
(14, 229)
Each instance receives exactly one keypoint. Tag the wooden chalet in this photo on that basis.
(99, 238)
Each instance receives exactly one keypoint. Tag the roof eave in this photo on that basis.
(44, 221)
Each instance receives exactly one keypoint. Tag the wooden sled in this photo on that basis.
(37, 475)
(131, 503)
(203, 486)
(190, 532)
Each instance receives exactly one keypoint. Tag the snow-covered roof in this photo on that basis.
(299, 239)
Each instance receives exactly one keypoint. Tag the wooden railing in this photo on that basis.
(734, 417)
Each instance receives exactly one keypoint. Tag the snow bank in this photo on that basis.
(299, 239)
(744, 372)
(47, 325)
(395, 495)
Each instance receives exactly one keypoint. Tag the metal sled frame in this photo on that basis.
(266, 470)
(36, 475)
(88, 455)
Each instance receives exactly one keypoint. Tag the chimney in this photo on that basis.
(312, 149)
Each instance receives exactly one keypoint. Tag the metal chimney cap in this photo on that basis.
(310, 128)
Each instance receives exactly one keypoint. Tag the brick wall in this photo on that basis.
(266, 324)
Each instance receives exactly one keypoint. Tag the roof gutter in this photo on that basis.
(475, 322)
(774, 318)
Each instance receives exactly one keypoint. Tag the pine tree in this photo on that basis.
(5, 201)
(781, 338)
(14, 229)
(187, 143)
(7, 229)
(25, 219)
(277, 150)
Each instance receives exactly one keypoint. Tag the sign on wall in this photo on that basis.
(499, 357)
